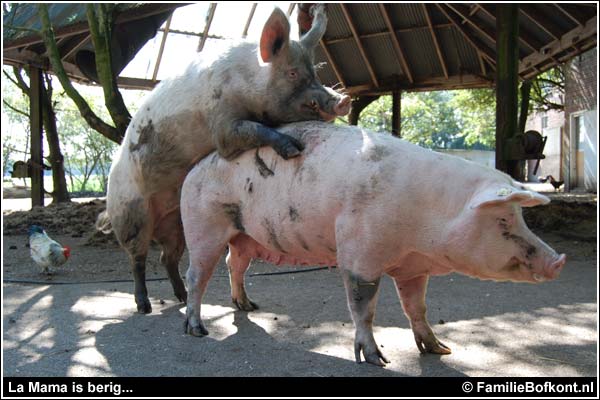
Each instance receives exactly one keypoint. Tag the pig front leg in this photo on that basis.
(237, 265)
(243, 135)
(362, 299)
(412, 297)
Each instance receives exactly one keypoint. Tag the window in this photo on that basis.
(544, 122)
(578, 123)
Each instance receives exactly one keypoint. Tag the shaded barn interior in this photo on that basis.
(368, 47)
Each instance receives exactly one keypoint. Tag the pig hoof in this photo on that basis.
(245, 304)
(197, 331)
(374, 356)
(317, 9)
(432, 345)
(289, 147)
(144, 307)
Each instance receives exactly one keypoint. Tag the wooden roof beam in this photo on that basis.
(569, 39)
(435, 41)
(82, 27)
(359, 44)
(75, 46)
(481, 64)
(332, 63)
(463, 13)
(290, 9)
(577, 18)
(399, 53)
(162, 48)
(540, 20)
(249, 20)
(473, 41)
(209, 18)
(427, 84)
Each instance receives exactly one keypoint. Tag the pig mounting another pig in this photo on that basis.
(369, 203)
(230, 104)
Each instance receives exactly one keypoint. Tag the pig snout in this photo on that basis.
(552, 269)
(343, 106)
(340, 108)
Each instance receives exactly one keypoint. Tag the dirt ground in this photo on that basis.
(303, 327)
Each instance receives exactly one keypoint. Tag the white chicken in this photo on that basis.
(46, 252)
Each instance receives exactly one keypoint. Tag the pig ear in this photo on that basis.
(275, 35)
(504, 195)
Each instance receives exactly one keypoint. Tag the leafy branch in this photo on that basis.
(53, 54)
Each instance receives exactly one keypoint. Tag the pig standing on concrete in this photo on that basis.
(369, 203)
(230, 104)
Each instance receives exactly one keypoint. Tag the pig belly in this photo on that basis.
(248, 247)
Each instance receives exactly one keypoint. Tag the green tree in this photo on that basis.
(438, 119)
(476, 116)
(15, 134)
(548, 90)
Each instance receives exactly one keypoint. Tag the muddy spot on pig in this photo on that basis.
(273, 239)
(248, 186)
(302, 241)
(378, 153)
(233, 211)
(294, 216)
(263, 170)
(145, 134)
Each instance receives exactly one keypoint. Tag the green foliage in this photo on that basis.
(476, 116)
(87, 153)
(440, 119)
(548, 90)
(15, 125)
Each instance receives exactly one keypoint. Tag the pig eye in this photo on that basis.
(292, 74)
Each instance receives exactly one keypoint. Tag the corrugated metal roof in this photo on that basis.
(407, 16)
(378, 50)
(409, 23)
(366, 18)
(325, 72)
(420, 51)
(350, 63)
(336, 23)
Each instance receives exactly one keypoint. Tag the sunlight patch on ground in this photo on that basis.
(218, 320)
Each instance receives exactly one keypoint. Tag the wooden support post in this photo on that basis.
(524, 109)
(37, 153)
(396, 113)
(358, 105)
(507, 67)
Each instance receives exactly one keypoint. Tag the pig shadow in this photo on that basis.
(249, 352)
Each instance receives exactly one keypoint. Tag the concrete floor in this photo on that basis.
(303, 328)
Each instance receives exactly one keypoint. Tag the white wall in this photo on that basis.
(590, 151)
(551, 164)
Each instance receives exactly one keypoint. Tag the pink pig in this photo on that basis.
(369, 203)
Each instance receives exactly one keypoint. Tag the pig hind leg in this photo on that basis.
(203, 260)
(133, 229)
(412, 297)
(169, 233)
(237, 265)
(362, 299)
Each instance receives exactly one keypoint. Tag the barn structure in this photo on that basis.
(369, 49)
